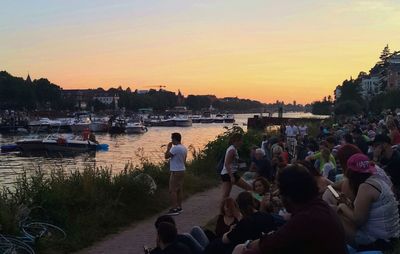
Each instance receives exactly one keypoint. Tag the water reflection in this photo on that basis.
(123, 148)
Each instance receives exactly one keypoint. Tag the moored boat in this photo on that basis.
(42, 125)
(135, 128)
(80, 124)
(196, 118)
(182, 121)
(60, 143)
(98, 125)
(206, 118)
(31, 144)
(218, 118)
(229, 118)
(117, 125)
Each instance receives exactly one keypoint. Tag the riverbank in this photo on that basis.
(96, 202)
(133, 238)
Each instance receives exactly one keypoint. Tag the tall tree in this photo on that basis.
(385, 53)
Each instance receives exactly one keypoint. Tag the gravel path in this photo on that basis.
(198, 210)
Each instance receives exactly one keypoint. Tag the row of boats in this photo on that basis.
(114, 124)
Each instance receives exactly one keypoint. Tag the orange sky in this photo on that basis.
(264, 50)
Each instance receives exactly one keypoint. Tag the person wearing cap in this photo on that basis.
(388, 158)
(373, 220)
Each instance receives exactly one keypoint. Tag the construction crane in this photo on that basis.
(160, 87)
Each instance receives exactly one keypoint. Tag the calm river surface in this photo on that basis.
(123, 148)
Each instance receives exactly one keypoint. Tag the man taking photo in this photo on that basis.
(177, 154)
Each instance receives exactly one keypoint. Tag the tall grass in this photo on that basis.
(94, 202)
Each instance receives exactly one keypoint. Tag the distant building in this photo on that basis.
(395, 58)
(82, 97)
(107, 99)
(338, 92)
(370, 86)
(393, 72)
(142, 91)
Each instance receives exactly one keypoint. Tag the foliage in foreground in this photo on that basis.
(92, 203)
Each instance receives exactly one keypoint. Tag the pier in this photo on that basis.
(261, 122)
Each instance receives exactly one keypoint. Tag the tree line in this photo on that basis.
(40, 94)
(351, 101)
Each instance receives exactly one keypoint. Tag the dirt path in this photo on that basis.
(198, 210)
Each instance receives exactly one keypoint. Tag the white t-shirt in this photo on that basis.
(295, 130)
(303, 130)
(291, 131)
(234, 166)
(177, 161)
(264, 146)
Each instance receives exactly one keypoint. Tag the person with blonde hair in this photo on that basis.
(229, 216)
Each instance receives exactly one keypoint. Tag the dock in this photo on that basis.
(261, 122)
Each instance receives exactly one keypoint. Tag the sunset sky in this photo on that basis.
(259, 49)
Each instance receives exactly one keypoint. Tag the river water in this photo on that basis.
(123, 148)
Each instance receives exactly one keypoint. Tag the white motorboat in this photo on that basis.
(135, 128)
(30, 144)
(117, 125)
(43, 125)
(206, 118)
(218, 118)
(196, 118)
(229, 118)
(182, 121)
(81, 124)
(99, 125)
(64, 143)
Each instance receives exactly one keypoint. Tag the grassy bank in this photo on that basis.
(94, 202)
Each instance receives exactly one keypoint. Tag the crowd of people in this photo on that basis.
(336, 192)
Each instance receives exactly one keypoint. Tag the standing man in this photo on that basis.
(291, 133)
(177, 153)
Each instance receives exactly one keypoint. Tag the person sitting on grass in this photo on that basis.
(261, 165)
(193, 241)
(314, 227)
(322, 181)
(328, 168)
(372, 220)
(268, 201)
(229, 216)
(167, 240)
(317, 157)
(261, 194)
(251, 226)
(342, 186)
(278, 161)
